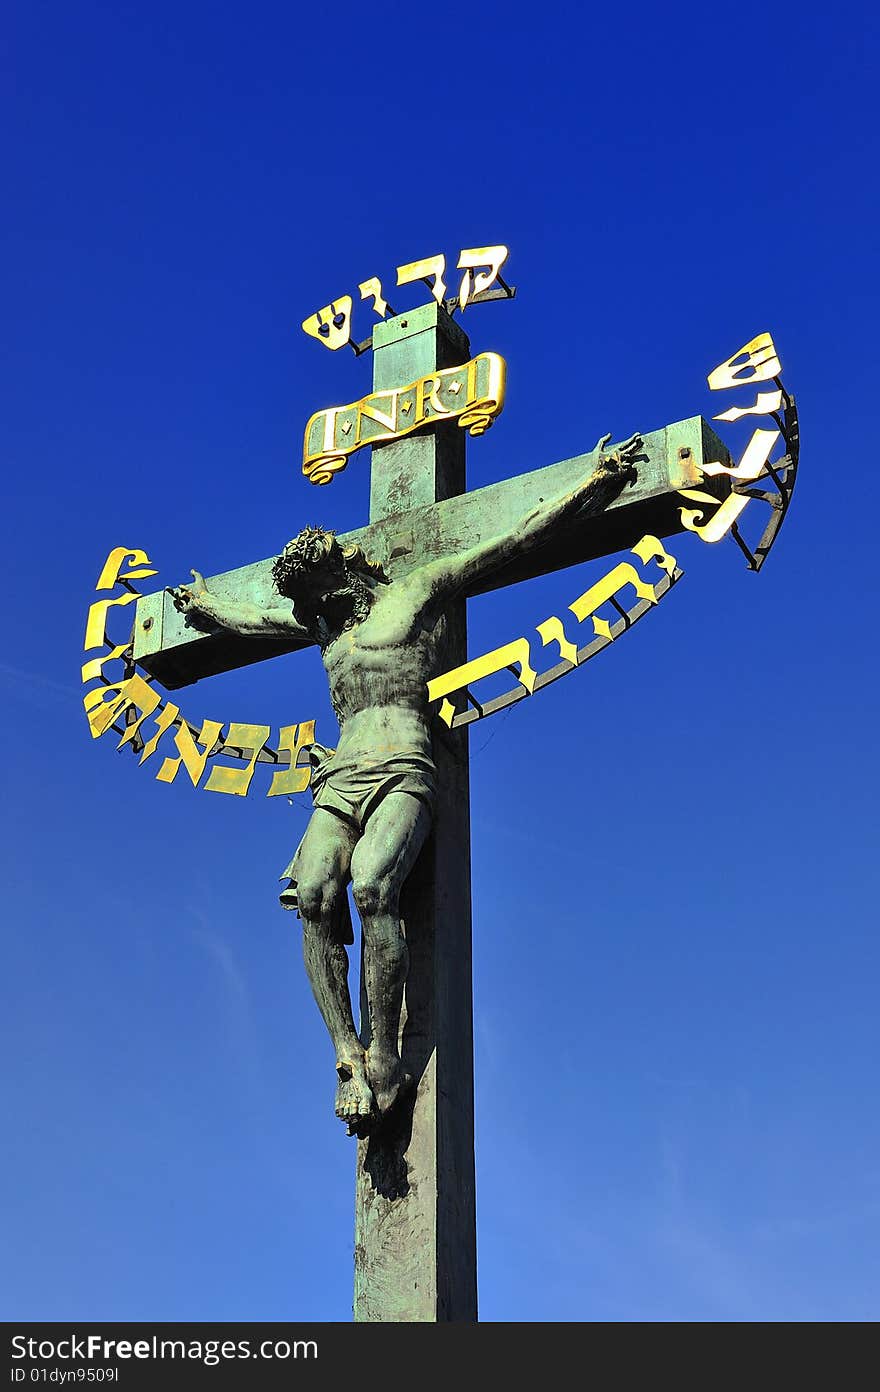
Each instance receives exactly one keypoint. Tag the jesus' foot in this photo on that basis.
(354, 1099)
(388, 1078)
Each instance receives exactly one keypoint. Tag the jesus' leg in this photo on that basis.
(382, 859)
(322, 874)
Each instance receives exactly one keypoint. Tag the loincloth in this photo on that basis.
(352, 790)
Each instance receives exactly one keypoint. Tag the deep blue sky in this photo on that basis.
(675, 867)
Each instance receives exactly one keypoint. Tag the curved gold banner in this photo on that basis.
(125, 702)
(472, 393)
(757, 361)
(604, 595)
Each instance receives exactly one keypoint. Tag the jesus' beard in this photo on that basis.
(343, 608)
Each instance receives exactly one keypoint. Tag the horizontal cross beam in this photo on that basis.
(672, 458)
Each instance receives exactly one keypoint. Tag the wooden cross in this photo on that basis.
(415, 1239)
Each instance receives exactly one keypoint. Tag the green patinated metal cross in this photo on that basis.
(392, 804)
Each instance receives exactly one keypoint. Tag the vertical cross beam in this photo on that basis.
(415, 1224)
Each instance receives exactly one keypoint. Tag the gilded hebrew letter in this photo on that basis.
(96, 623)
(720, 524)
(756, 455)
(114, 562)
(233, 780)
(131, 693)
(332, 324)
(492, 256)
(605, 589)
(551, 631)
(95, 667)
(512, 654)
(193, 759)
(164, 720)
(432, 267)
(293, 738)
(650, 548)
(372, 289)
(757, 452)
(760, 365)
(765, 404)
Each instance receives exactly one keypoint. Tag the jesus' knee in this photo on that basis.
(375, 896)
(318, 900)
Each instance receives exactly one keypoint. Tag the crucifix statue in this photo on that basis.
(374, 795)
(386, 605)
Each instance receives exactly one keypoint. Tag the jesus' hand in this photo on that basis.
(621, 463)
(192, 600)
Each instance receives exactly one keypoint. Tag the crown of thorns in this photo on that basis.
(317, 546)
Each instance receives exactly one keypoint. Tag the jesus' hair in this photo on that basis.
(317, 546)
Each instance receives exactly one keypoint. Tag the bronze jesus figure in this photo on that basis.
(374, 795)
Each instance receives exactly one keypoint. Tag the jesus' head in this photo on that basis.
(331, 585)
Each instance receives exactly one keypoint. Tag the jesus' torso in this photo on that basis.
(378, 671)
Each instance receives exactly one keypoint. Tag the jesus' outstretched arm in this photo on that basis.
(613, 472)
(237, 616)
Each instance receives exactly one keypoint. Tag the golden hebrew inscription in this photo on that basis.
(650, 548)
(336, 433)
(293, 738)
(552, 631)
(189, 757)
(332, 324)
(515, 654)
(585, 605)
(232, 780)
(114, 562)
(472, 392)
(718, 525)
(133, 700)
(481, 267)
(96, 623)
(164, 720)
(518, 653)
(765, 404)
(492, 257)
(430, 269)
(609, 587)
(755, 457)
(372, 290)
(95, 668)
(132, 693)
(757, 361)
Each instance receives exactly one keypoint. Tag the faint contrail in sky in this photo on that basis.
(12, 675)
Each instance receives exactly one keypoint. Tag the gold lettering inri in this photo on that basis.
(472, 393)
